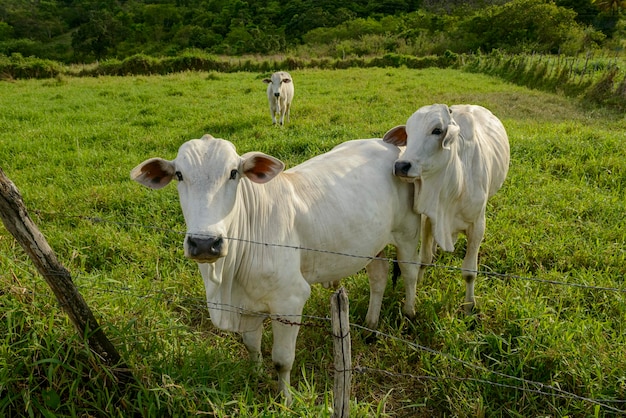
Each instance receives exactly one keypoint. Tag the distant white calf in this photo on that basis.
(458, 157)
(279, 94)
(251, 228)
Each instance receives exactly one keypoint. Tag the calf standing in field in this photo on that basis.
(279, 94)
(457, 157)
(251, 228)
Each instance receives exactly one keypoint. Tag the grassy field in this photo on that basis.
(550, 336)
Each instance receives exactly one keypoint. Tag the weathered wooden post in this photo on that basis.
(343, 353)
(17, 222)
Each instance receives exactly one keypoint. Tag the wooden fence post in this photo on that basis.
(17, 222)
(343, 355)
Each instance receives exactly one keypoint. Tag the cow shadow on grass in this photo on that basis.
(198, 357)
(439, 299)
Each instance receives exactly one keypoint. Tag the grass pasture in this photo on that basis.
(550, 337)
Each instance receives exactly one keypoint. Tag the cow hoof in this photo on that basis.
(473, 320)
(409, 315)
(370, 337)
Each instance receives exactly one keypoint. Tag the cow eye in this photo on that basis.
(437, 131)
(179, 176)
(233, 174)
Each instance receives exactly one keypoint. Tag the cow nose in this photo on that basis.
(205, 247)
(401, 168)
(277, 94)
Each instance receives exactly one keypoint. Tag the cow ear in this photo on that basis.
(451, 135)
(286, 80)
(259, 167)
(396, 136)
(267, 80)
(154, 173)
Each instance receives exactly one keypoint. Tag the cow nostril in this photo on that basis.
(205, 247)
(401, 168)
(277, 94)
(216, 247)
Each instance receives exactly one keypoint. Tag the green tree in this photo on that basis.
(614, 7)
(521, 26)
(35, 20)
(6, 31)
(98, 36)
(586, 10)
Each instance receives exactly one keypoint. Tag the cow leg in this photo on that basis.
(377, 272)
(281, 111)
(410, 272)
(273, 111)
(474, 234)
(284, 351)
(426, 247)
(252, 339)
(285, 329)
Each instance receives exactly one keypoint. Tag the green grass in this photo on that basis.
(69, 144)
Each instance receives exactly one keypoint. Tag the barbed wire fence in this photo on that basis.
(523, 385)
(319, 322)
(388, 259)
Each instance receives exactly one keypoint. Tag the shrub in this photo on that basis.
(608, 90)
(140, 64)
(17, 66)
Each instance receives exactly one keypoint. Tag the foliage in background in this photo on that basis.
(594, 79)
(554, 229)
(601, 81)
(88, 31)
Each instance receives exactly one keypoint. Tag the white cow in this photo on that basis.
(250, 225)
(458, 157)
(279, 94)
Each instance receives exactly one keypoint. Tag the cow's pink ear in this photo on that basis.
(396, 136)
(259, 167)
(451, 135)
(154, 173)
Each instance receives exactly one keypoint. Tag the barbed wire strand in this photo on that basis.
(557, 391)
(238, 310)
(562, 394)
(541, 388)
(554, 390)
(338, 253)
(200, 303)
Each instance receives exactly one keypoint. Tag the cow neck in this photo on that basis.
(259, 216)
(437, 192)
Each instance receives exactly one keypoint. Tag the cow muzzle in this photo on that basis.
(406, 170)
(277, 94)
(205, 249)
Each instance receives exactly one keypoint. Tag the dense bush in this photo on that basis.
(522, 26)
(595, 80)
(17, 66)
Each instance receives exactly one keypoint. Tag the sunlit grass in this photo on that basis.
(69, 145)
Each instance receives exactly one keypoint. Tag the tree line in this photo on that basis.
(89, 30)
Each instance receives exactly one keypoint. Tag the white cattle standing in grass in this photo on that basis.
(458, 157)
(279, 94)
(236, 207)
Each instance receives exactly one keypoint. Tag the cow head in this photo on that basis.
(276, 81)
(428, 136)
(208, 172)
